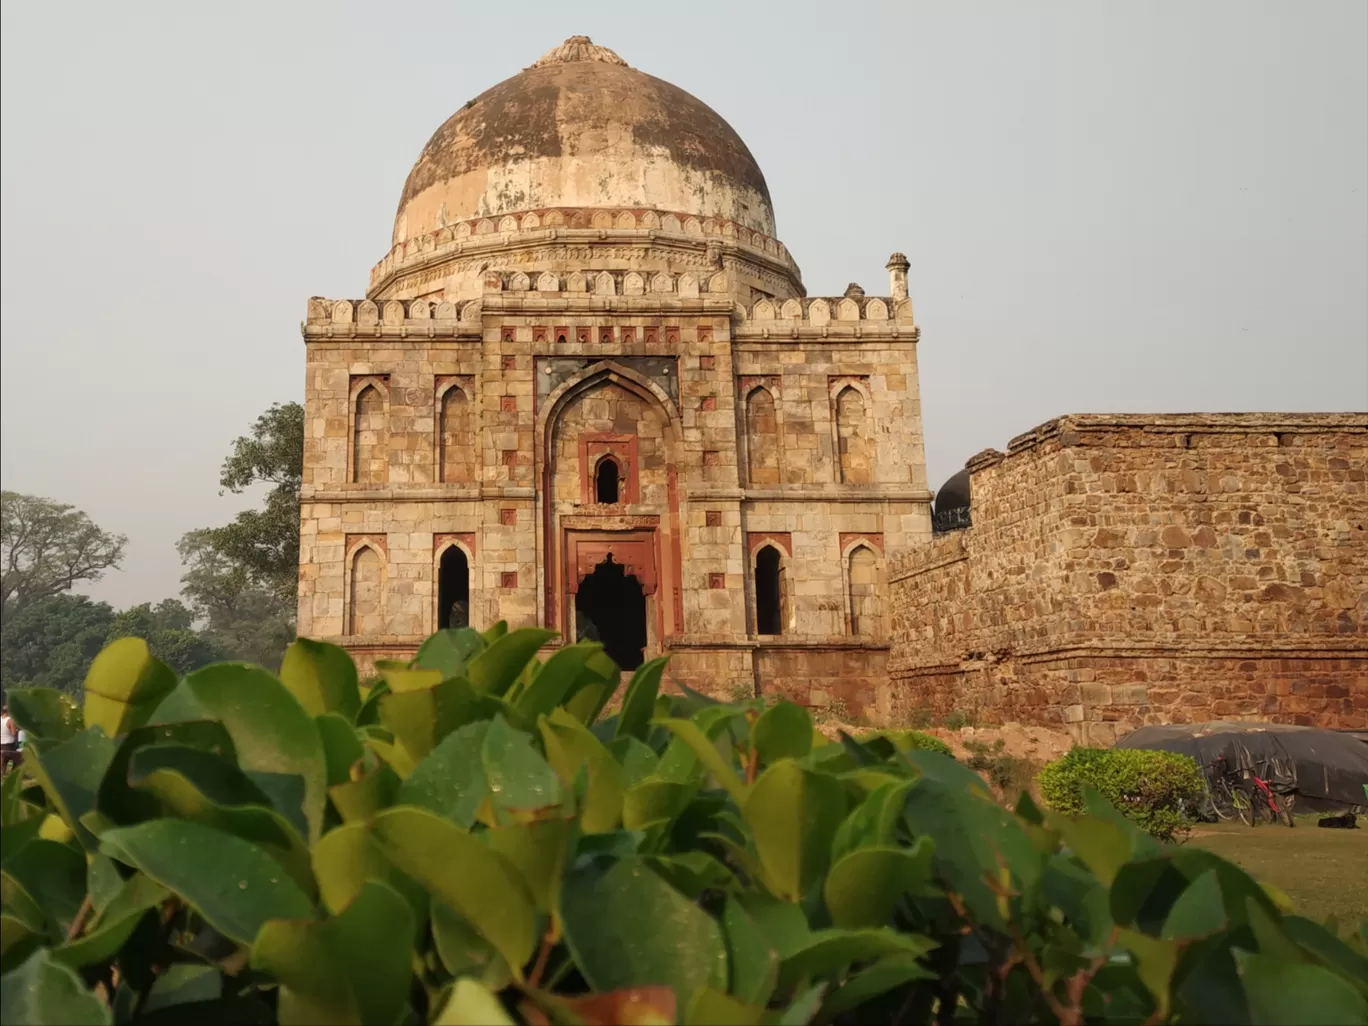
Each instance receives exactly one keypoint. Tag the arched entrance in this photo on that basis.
(610, 607)
(453, 589)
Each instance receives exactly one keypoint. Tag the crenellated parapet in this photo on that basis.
(329, 318)
(614, 226)
(824, 316)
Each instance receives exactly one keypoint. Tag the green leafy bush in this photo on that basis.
(1160, 791)
(473, 841)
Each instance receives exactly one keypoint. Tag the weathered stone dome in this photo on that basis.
(580, 128)
(954, 494)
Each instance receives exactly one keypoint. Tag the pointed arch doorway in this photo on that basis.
(610, 607)
(612, 595)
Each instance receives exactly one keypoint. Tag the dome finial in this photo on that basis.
(579, 48)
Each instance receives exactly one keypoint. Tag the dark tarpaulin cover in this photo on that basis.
(1326, 764)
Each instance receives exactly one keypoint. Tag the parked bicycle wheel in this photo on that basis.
(1244, 807)
(1286, 803)
(1223, 799)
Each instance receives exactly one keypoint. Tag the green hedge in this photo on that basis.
(473, 840)
(1160, 791)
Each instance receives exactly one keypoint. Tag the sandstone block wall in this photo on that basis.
(1124, 570)
(741, 425)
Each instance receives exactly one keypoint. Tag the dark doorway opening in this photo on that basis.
(606, 480)
(453, 589)
(611, 608)
(768, 592)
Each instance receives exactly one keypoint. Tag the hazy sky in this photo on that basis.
(1144, 206)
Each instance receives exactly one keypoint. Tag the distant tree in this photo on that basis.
(169, 630)
(241, 579)
(50, 643)
(46, 548)
(252, 621)
(265, 542)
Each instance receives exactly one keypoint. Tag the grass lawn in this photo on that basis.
(1325, 872)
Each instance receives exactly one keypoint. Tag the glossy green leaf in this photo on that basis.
(594, 689)
(186, 984)
(570, 746)
(518, 777)
(1102, 846)
(342, 749)
(322, 678)
(783, 731)
(636, 758)
(23, 919)
(202, 788)
(874, 822)
(693, 872)
(112, 927)
(653, 802)
(888, 973)
(355, 967)
(554, 680)
(462, 951)
(347, 857)
(832, 952)
(44, 713)
(270, 730)
(450, 780)
(1199, 910)
(458, 869)
(404, 677)
(638, 703)
(472, 1004)
(804, 1007)
(626, 927)
(449, 651)
(359, 800)
(43, 992)
(793, 814)
(124, 685)
(865, 886)
(1283, 993)
(711, 1007)
(976, 841)
(706, 753)
(53, 876)
(539, 852)
(102, 881)
(753, 962)
(122, 804)
(419, 719)
(234, 884)
(494, 670)
(70, 773)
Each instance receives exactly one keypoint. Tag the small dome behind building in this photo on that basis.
(951, 511)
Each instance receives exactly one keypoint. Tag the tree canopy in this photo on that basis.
(47, 548)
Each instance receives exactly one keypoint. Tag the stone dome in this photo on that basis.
(580, 128)
(954, 494)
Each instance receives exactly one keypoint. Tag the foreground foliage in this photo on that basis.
(1160, 791)
(474, 841)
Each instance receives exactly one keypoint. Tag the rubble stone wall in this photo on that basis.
(1124, 570)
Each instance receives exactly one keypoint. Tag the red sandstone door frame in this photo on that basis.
(637, 549)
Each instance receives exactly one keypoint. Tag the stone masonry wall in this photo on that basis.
(555, 369)
(1124, 570)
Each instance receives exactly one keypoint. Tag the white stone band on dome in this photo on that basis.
(419, 249)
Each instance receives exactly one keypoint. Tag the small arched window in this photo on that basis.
(453, 589)
(863, 587)
(769, 592)
(607, 481)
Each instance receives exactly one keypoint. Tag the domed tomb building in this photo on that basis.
(587, 389)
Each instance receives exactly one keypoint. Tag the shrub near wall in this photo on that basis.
(474, 841)
(1160, 791)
